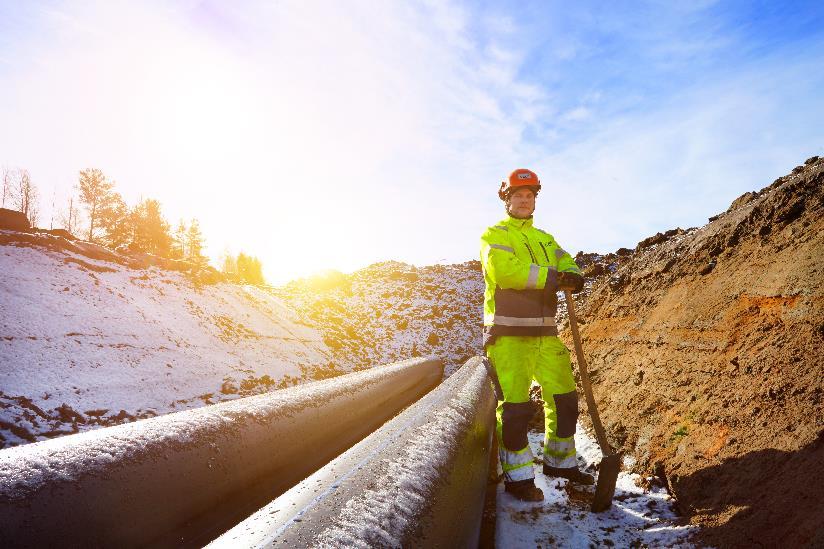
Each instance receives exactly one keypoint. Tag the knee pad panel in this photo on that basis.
(566, 406)
(515, 423)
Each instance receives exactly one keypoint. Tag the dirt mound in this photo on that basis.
(706, 350)
(13, 220)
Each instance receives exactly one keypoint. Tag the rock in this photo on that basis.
(651, 241)
(13, 220)
(742, 200)
(68, 415)
(616, 282)
(792, 213)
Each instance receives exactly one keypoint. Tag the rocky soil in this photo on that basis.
(393, 311)
(707, 352)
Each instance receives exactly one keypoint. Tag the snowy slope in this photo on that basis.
(86, 342)
(393, 311)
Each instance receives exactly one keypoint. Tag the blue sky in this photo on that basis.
(335, 134)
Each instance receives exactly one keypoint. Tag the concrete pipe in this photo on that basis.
(418, 481)
(183, 478)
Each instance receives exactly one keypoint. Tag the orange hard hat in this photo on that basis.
(519, 178)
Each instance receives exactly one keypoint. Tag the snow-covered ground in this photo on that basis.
(87, 342)
(638, 517)
(392, 311)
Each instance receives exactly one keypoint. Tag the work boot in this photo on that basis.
(570, 473)
(524, 490)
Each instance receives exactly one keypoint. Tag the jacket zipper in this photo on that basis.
(545, 254)
(532, 255)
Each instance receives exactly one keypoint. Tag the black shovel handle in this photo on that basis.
(600, 434)
(496, 385)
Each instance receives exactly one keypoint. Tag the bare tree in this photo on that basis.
(7, 178)
(70, 219)
(24, 195)
(96, 194)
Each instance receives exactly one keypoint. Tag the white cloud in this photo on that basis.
(331, 134)
(576, 114)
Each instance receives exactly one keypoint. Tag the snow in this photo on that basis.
(381, 516)
(374, 494)
(24, 469)
(638, 517)
(94, 337)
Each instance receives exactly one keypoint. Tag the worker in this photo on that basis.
(523, 269)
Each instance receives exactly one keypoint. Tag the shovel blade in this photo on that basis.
(607, 477)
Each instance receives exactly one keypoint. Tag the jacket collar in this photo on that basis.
(516, 223)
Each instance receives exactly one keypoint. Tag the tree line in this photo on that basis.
(242, 267)
(98, 213)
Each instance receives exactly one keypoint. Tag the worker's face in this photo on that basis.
(521, 203)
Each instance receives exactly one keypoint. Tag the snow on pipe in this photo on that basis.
(183, 478)
(418, 481)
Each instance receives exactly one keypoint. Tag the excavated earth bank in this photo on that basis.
(707, 352)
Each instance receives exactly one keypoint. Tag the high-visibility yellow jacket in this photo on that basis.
(520, 264)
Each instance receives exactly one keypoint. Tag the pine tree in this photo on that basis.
(249, 269)
(194, 242)
(228, 263)
(115, 222)
(179, 246)
(150, 231)
(95, 193)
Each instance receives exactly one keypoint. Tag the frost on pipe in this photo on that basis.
(418, 481)
(183, 478)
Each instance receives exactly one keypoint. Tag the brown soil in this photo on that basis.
(706, 351)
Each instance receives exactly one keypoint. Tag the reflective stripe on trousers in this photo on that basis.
(560, 452)
(516, 465)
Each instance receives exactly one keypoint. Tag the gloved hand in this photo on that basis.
(570, 281)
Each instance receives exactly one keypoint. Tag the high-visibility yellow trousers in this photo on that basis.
(517, 361)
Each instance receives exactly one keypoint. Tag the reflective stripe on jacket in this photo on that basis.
(520, 265)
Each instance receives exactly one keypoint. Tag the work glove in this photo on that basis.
(570, 281)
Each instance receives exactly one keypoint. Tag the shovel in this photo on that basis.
(610, 462)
